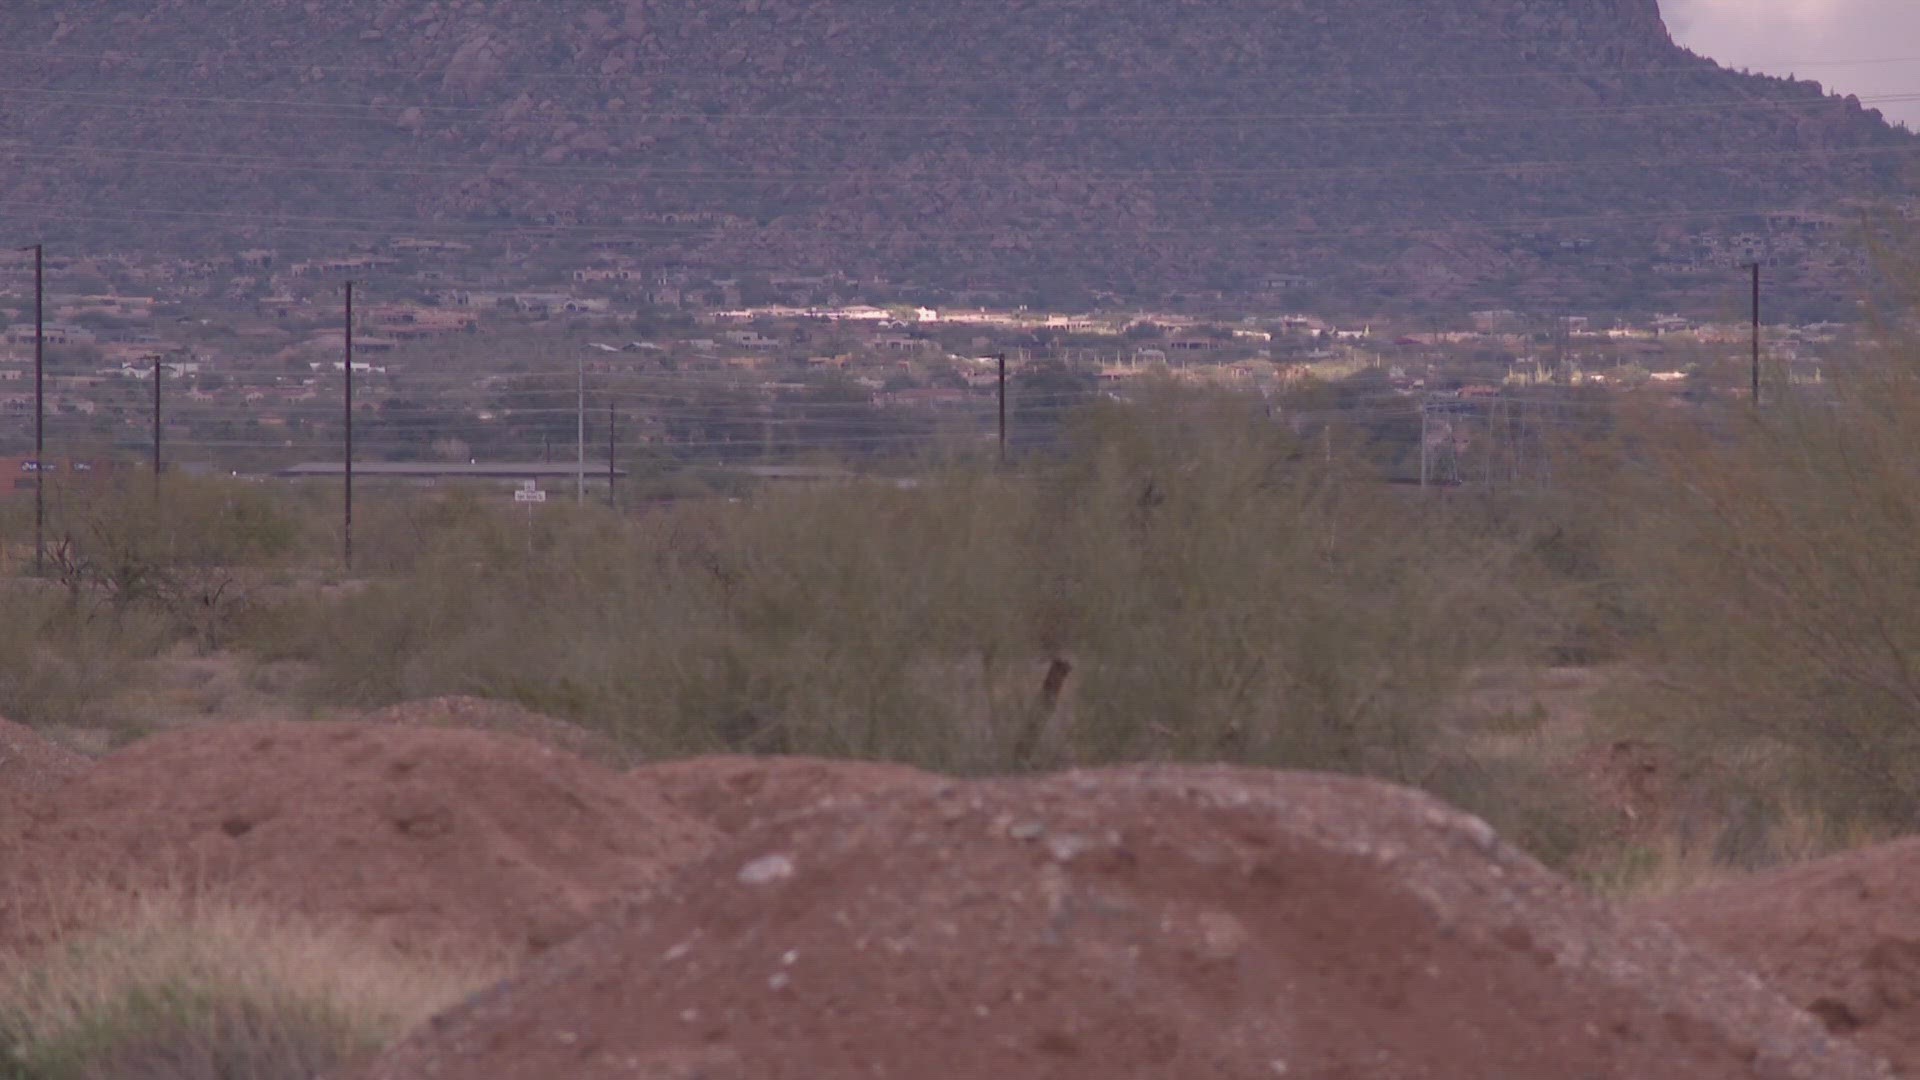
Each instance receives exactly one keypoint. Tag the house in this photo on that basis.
(902, 343)
(537, 303)
(409, 322)
(144, 371)
(360, 367)
(343, 265)
(590, 275)
(407, 245)
(1070, 324)
(1195, 345)
(113, 307)
(751, 339)
(928, 398)
(55, 333)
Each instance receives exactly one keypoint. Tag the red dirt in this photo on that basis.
(506, 718)
(734, 794)
(1647, 791)
(1839, 937)
(1145, 923)
(427, 837)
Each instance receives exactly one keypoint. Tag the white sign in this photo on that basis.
(525, 495)
(529, 485)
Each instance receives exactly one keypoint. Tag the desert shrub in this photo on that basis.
(207, 991)
(1181, 582)
(123, 551)
(1776, 552)
(126, 579)
(1529, 803)
(59, 660)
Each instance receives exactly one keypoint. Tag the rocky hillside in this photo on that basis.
(1442, 149)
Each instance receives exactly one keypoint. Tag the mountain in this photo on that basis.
(1397, 150)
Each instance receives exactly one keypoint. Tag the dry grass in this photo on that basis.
(1668, 865)
(203, 990)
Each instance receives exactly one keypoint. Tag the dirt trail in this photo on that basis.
(1139, 923)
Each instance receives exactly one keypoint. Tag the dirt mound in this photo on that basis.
(425, 836)
(505, 718)
(1144, 923)
(30, 768)
(734, 794)
(1839, 937)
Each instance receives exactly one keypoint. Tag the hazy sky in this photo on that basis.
(1814, 39)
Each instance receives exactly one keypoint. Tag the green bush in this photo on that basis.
(1776, 555)
(1183, 582)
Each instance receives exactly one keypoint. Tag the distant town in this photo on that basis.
(451, 365)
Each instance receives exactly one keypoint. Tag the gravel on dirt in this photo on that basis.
(1141, 923)
(1839, 937)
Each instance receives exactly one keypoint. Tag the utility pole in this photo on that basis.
(580, 465)
(610, 502)
(1492, 440)
(1002, 359)
(39, 408)
(1516, 435)
(347, 532)
(1756, 335)
(156, 429)
(1423, 444)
